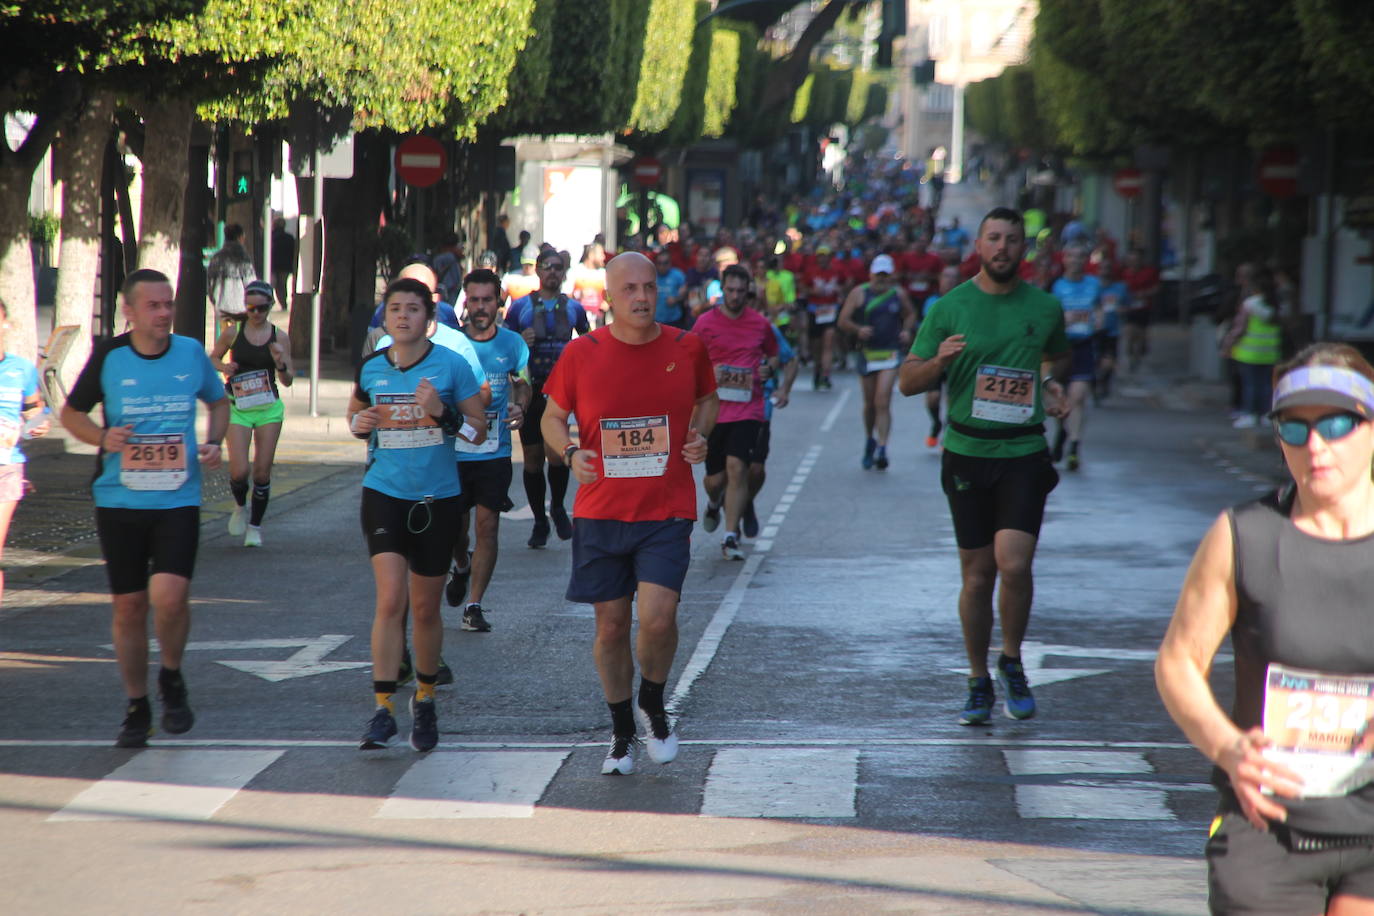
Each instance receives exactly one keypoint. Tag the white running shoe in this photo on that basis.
(253, 538)
(660, 740)
(729, 548)
(620, 759)
(238, 522)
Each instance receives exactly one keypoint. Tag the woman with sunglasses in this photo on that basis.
(1291, 578)
(259, 355)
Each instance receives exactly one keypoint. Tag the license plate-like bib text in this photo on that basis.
(634, 446)
(1004, 395)
(153, 462)
(405, 424)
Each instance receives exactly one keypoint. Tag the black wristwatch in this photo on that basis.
(568, 453)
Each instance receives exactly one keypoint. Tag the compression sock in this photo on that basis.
(424, 686)
(559, 475)
(240, 490)
(622, 718)
(651, 695)
(384, 691)
(261, 493)
(534, 492)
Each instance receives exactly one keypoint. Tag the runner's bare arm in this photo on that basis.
(217, 424)
(474, 413)
(222, 344)
(916, 375)
(81, 426)
(846, 320)
(281, 353)
(908, 316)
(362, 417)
(557, 439)
(1205, 613)
(704, 415)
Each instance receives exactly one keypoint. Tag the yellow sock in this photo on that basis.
(423, 691)
(384, 701)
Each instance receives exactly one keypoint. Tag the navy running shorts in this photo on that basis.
(611, 558)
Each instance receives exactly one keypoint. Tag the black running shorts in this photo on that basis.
(736, 439)
(763, 444)
(486, 484)
(423, 532)
(137, 543)
(530, 433)
(988, 495)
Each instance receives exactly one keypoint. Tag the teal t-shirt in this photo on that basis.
(995, 382)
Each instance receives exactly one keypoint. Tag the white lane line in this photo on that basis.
(473, 784)
(1087, 799)
(853, 741)
(776, 518)
(829, 422)
(770, 531)
(729, 605)
(171, 785)
(780, 782)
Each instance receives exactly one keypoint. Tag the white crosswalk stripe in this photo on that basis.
(473, 784)
(170, 784)
(781, 782)
(1065, 799)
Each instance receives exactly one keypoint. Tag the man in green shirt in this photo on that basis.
(1000, 344)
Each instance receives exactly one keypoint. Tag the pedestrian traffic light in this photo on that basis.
(923, 74)
(241, 175)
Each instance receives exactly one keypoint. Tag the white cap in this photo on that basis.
(882, 264)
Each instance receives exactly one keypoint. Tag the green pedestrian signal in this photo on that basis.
(243, 186)
(241, 175)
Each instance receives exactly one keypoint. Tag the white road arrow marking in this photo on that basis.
(1033, 656)
(309, 660)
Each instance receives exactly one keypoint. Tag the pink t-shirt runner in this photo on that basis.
(736, 347)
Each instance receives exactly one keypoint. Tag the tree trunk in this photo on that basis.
(168, 139)
(195, 316)
(788, 74)
(16, 261)
(81, 167)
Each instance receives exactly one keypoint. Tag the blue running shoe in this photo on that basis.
(424, 730)
(978, 709)
(380, 730)
(870, 445)
(1019, 703)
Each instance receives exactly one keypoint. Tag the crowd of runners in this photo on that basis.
(680, 352)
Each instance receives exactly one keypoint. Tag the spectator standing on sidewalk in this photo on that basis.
(228, 274)
(1254, 343)
(283, 261)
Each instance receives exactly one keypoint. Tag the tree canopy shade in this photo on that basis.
(690, 117)
(663, 67)
(1336, 38)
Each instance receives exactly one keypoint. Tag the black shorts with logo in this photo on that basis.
(736, 439)
(422, 531)
(530, 433)
(988, 495)
(486, 484)
(137, 543)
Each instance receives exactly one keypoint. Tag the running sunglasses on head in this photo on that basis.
(1330, 427)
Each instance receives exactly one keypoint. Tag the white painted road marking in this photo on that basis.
(781, 782)
(167, 784)
(307, 661)
(473, 784)
(829, 422)
(1087, 799)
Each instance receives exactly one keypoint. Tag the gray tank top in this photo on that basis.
(1304, 602)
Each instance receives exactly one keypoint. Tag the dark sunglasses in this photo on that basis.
(1330, 427)
(257, 308)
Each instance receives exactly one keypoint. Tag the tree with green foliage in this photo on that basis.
(1336, 37)
(721, 78)
(664, 66)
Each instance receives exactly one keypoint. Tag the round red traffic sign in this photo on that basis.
(1278, 171)
(421, 161)
(647, 171)
(1129, 182)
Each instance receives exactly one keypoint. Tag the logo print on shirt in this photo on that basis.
(670, 367)
(1030, 329)
(182, 378)
(129, 381)
(380, 382)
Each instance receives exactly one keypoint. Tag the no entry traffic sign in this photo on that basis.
(421, 161)
(1129, 182)
(647, 172)
(1278, 171)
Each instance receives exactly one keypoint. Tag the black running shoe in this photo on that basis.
(457, 588)
(379, 732)
(444, 676)
(540, 535)
(137, 726)
(880, 458)
(562, 525)
(750, 521)
(424, 728)
(177, 717)
(406, 673)
(474, 621)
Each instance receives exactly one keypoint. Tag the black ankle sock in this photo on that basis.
(559, 474)
(534, 492)
(383, 686)
(651, 695)
(167, 676)
(934, 414)
(622, 718)
(262, 492)
(240, 490)
(139, 705)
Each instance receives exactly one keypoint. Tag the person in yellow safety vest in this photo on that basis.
(1257, 339)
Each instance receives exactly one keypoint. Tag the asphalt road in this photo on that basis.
(817, 684)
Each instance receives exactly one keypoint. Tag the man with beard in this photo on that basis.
(485, 469)
(1001, 345)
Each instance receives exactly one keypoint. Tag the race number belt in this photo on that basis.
(1321, 726)
(1004, 395)
(826, 314)
(634, 446)
(153, 462)
(877, 360)
(735, 383)
(405, 424)
(490, 444)
(252, 389)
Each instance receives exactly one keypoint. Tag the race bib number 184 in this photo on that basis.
(634, 446)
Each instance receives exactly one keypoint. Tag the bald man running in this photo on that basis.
(645, 398)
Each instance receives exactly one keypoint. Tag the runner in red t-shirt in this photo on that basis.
(645, 399)
(825, 286)
(920, 270)
(742, 347)
(1142, 282)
